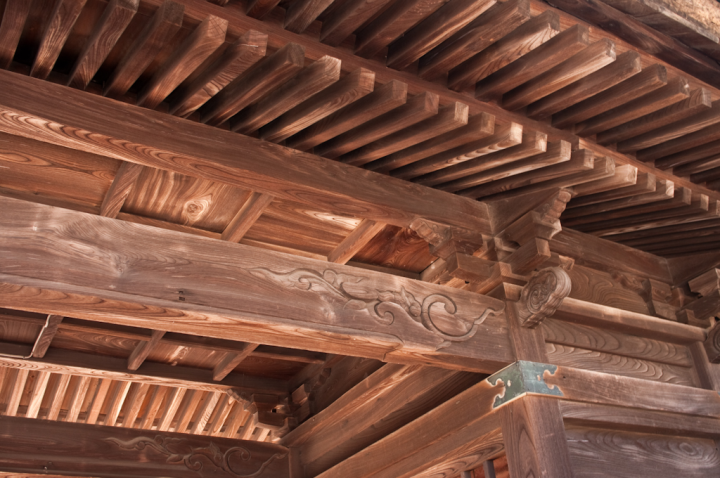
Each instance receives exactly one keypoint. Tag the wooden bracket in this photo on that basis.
(712, 344)
(542, 296)
(707, 285)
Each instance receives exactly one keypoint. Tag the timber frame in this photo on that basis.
(354, 238)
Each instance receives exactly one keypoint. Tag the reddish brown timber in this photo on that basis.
(194, 50)
(80, 449)
(11, 28)
(94, 408)
(711, 149)
(674, 92)
(578, 66)
(37, 394)
(340, 24)
(46, 335)
(393, 22)
(418, 108)
(248, 214)
(478, 127)
(201, 151)
(120, 189)
(706, 176)
(232, 360)
(500, 20)
(344, 92)
(698, 166)
(699, 101)
(253, 84)
(673, 131)
(637, 85)
(643, 37)
(646, 235)
(302, 13)
(77, 394)
(522, 40)
(163, 25)
(16, 388)
(646, 183)
(683, 143)
(61, 22)
(106, 32)
(538, 61)
(275, 308)
(449, 118)
(234, 61)
(260, 8)
(357, 239)
(625, 66)
(174, 399)
(433, 30)
(688, 233)
(664, 192)
(93, 366)
(504, 137)
(632, 419)
(310, 80)
(625, 176)
(712, 344)
(143, 349)
(384, 99)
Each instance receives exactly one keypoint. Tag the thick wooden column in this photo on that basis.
(58, 448)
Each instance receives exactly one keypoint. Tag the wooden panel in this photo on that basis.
(604, 288)
(267, 276)
(13, 21)
(612, 342)
(74, 449)
(595, 452)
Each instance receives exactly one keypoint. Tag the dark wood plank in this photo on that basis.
(259, 8)
(255, 83)
(578, 66)
(86, 450)
(506, 50)
(340, 24)
(302, 13)
(707, 151)
(121, 187)
(699, 101)
(163, 25)
(194, 50)
(62, 20)
(381, 101)
(625, 66)
(46, 336)
(354, 86)
(115, 18)
(307, 82)
(478, 127)
(433, 30)
(234, 61)
(697, 138)
(162, 148)
(500, 20)
(645, 183)
(11, 28)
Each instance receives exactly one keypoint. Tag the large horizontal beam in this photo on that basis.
(50, 447)
(74, 264)
(59, 115)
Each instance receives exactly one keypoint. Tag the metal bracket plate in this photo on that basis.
(522, 378)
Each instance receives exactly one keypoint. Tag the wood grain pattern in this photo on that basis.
(357, 239)
(121, 187)
(232, 360)
(13, 20)
(302, 13)
(207, 82)
(246, 216)
(163, 25)
(596, 452)
(62, 20)
(340, 24)
(115, 18)
(143, 349)
(46, 335)
(37, 394)
(195, 49)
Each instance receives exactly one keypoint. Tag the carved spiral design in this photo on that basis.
(450, 308)
(540, 290)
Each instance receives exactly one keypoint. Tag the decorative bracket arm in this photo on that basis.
(542, 296)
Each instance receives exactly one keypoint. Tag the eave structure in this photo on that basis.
(359, 238)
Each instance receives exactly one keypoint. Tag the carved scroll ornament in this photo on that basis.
(542, 296)
(204, 460)
(381, 305)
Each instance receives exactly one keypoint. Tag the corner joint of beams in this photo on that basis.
(522, 378)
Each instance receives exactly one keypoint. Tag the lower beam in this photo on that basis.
(72, 449)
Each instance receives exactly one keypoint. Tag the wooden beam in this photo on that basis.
(214, 152)
(143, 349)
(13, 21)
(280, 295)
(250, 212)
(91, 366)
(46, 335)
(121, 187)
(100, 450)
(57, 30)
(353, 243)
(232, 360)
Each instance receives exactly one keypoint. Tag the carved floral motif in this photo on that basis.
(203, 460)
(381, 305)
(543, 295)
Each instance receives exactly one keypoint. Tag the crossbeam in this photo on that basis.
(103, 269)
(59, 448)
